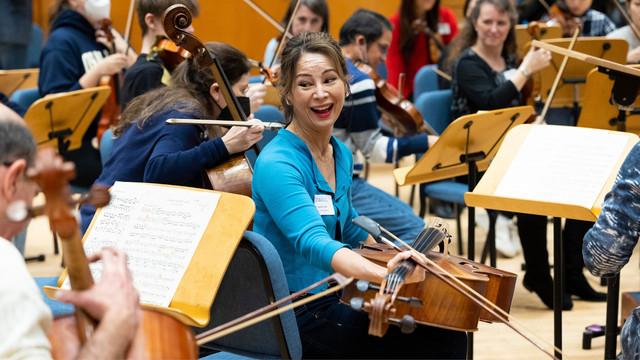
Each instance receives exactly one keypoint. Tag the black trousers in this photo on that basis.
(330, 329)
(533, 236)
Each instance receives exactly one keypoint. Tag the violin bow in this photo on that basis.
(626, 16)
(287, 30)
(556, 81)
(274, 309)
(508, 319)
(268, 18)
(128, 26)
(545, 5)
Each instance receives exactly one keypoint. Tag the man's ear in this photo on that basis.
(149, 20)
(360, 40)
(9, 183)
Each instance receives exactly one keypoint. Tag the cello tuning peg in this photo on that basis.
(364, 285)
(357, 303)
(414, 302)
(407, 324)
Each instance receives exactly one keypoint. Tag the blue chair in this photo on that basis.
(57, 308)
(25, 97)
(426, 80)
(35, 47)
(255, 277)
(435, 107)
(106, 146)
(269, 113)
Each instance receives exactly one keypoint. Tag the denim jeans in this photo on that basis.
(387, 210)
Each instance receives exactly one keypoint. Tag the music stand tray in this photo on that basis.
(61, 120)
(12, 80)
(531, 175)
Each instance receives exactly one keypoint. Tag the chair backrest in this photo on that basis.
(269, 113)
(106, 146)
(435, 107)
(34, 48)
(426, 80)
(25, 97)
(255, 277)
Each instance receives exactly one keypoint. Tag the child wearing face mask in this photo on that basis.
(76, 56)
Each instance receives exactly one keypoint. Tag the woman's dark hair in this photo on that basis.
(308, 42)
(189, 90)
(468, 35)
(407, 17)
(318, 7)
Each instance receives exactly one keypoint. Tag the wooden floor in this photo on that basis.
(492, 341)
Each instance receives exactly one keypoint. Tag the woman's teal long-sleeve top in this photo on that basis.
(286, 184)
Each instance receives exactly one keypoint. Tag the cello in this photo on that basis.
(158, 335)
(384, 307)
(235, 175)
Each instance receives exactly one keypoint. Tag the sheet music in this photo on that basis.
(562, 164)
(159, 228)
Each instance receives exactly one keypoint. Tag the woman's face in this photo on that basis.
(318, 93)
(634, 11)
(422, 6)
(492, 26)
(306, 21)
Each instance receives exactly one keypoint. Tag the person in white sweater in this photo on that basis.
(24, 317)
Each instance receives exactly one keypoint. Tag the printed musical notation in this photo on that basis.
(567, 165)
(159, 228)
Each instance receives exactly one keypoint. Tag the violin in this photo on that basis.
(436, 45)
(272, 96)
(170, 54)
(159, 336)
(111, 110)
(235, 175)
(432, 301)
(401, 113)
(560, 13)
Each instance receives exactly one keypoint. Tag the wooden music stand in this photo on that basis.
(12, 80)
(518, 144)
(192, 300)
(569, 92)
(542, 32)
(626, 83)
(61, 120)
(599, 112)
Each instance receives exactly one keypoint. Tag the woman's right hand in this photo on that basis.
(535, 60)
(633, 57)
(240, 138)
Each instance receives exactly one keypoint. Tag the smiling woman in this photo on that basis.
(307, 213)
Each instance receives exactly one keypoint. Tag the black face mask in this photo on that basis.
(245, 107)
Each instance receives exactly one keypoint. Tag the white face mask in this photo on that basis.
(97, 9)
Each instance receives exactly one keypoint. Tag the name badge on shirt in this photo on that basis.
(444, 29)
(324, 205)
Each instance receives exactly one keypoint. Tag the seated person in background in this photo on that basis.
(307, 214)
(312, 16)
(580, 13)
(76, 57)
(625, 32)
(148, 72)
(364, 39)
(410, 47)
(609, 244)
(24, 317)
(146, 149)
